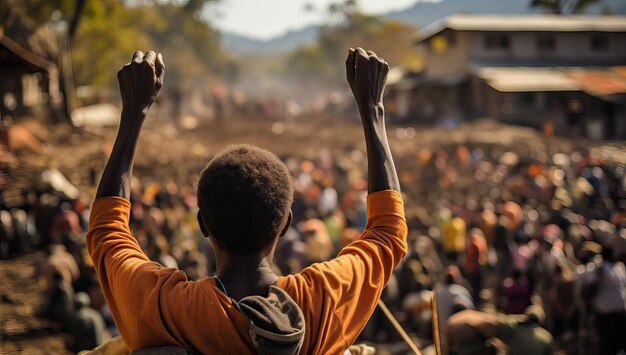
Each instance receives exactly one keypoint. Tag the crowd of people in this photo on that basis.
(524, 253)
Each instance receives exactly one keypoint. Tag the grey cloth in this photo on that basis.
(276, 322)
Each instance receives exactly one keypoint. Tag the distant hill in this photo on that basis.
(423, 13)
(239, 44)
(420, 14)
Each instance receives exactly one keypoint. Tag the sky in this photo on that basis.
(271, 18)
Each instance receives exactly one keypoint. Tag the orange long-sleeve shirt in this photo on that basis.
(153, 305)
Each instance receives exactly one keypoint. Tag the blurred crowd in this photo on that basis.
(523, 254)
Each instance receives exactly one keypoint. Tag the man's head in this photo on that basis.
(244, 197)
(535, 313)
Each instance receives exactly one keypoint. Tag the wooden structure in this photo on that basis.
(29, 84)
(568, 72)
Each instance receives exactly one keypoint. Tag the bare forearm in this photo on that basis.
(140, 82)
(367, 74)
(115, 180)
(381, 171)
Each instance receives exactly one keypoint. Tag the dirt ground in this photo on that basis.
(166, 149)
(21, 332)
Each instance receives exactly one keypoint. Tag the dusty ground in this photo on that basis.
(165, 149)
(21, 332)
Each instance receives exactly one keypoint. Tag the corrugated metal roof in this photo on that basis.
(520, 79)
(396, 74)
(525, 23)
(599, 81)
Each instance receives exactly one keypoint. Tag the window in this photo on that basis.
(599, 42)
(497, 42)
(527, 98)
(546, 43)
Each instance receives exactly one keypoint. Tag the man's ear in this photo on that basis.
(289, 220)
(203, 228)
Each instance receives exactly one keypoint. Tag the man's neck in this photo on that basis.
(245, 275)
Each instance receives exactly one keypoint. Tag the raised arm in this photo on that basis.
(338, 296)
(130, 283)
(367, 74)
(140, 81)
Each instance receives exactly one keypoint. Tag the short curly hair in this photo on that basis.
(244, 196)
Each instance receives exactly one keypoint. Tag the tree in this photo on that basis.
(110, 31)
(349, 27)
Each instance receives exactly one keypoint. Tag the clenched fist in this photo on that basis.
(140, 81)
(367, 74)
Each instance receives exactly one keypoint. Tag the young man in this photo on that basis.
(244, 198)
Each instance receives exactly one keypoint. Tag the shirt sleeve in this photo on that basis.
(337, 297)
(127, 277)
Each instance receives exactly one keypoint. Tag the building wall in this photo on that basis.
(453, 52)
(569, 48)
(572, 113)
(23, 93)
(11, 92)
(446, 54)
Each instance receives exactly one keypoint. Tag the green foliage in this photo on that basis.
(349, 27)
(106, 38)
(110, 31)
(309, 62)
(20, 18)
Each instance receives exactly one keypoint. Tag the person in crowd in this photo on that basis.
(453, 238)
(603, 285)
(59, 306)
(7, 234)
(451, 295)
(503, 246)
(562, 298)
(515, 293)
(58, 261)
(244, 198)
(476, 332)
(87, 326)
(319, 246)
(475, 260)
(65, 225)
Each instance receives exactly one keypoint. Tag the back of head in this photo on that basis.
(244, 197)
(82, 300)
(608, 254)
(535, 314)
(452, 275)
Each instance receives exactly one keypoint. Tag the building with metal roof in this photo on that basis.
(565, 71)
(521, 23)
